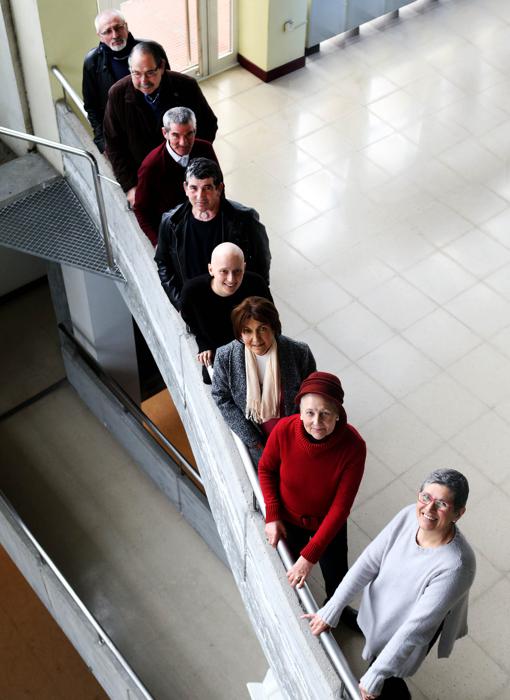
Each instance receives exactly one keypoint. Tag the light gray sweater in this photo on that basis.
(408, 591)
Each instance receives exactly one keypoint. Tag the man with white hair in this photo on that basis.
(208, 300)
(161, 175)
(104, 65)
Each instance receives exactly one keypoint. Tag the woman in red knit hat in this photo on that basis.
(309, 473)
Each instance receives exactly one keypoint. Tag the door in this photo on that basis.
(199, 36)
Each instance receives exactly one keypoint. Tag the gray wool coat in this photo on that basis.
(229, 383)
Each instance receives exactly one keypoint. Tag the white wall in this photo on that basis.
(11, 111)
(33, 62)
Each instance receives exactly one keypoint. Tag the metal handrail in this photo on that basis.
(69, 90)
(46, 560)
(130, 406)
(338, 660)
(95, 177)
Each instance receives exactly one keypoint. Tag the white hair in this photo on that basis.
(108, 13)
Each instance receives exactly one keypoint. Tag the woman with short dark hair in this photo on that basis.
(257, 375)
(415, 577)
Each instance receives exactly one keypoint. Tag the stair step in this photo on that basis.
(23, 175)
(50, 222)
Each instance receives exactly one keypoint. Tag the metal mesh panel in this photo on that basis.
(51, 223)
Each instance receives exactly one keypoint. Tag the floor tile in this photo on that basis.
(354, 330)
(322, 190)
(357, 271)
(470, 673)
(474, 202)
(328, 358)
(393, 153)
(376, 512)
(365, 398)
(399, 438)
(481, 309)
(314, 298)
(485, 372)
(440, 224)
(398, 303)
(402, 250)
(430, 332)
(398, 109)
(478, 253)
(498, 227)
(486, 444)
(398, 366)
(439, 277)
(444, 406)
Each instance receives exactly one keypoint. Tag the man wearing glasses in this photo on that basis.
(136, 105)
(104, 65)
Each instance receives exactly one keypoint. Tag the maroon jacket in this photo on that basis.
(132, 130)
(160, 185)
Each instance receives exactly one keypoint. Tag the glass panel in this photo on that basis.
(224, 24)
(173, 24)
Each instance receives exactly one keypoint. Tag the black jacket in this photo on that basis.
(97, 80)
(239, 225)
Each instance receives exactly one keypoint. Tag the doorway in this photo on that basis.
(199, 36)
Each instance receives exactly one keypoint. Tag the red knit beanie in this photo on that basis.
(323, 383)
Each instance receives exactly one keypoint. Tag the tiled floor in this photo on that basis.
(381, 171)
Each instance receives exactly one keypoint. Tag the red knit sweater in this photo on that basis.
(311, 484)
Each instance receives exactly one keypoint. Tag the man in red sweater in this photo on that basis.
(161, 175)
(309, 473)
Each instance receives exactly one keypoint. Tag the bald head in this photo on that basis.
(226, 269)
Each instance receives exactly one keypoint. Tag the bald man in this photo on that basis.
(208, 300)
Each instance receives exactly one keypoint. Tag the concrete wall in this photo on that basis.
(261, 37)
(33, 62)
(68, 33)
(296, 658)
(254, 31)
(12, 107)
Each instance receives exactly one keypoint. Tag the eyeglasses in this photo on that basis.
(116, 28)
(427, 499)
(145, 74)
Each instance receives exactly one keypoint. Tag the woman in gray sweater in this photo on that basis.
(415, 578)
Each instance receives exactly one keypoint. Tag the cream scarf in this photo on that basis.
(262, 408)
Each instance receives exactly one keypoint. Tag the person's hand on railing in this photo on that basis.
(317, 624)
(205, 357)
(367, 696)
(275, 531)
(130, 196)
(298, 573)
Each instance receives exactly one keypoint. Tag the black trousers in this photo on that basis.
(333, 562)
(396, 688)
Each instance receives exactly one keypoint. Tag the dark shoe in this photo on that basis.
(349, 617)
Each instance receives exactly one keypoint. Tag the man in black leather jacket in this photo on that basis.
(189, 233)
(104, 65)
